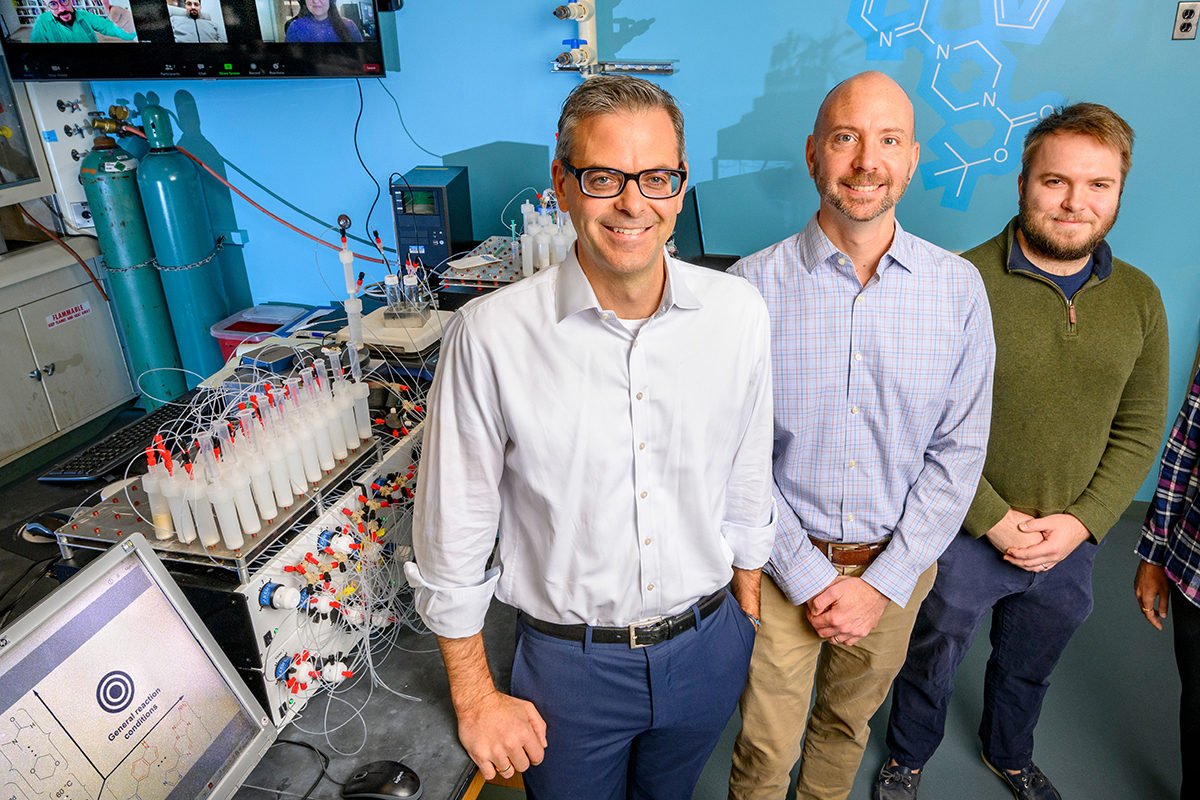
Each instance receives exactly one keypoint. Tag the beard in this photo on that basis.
(194, 13)
(1042, 242)
(66, 17)
(863, 210)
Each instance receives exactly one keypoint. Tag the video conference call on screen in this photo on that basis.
(190, 38)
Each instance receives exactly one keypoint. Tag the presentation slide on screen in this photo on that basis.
(114, 699)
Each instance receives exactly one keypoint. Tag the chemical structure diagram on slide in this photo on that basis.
(978, 51)
(40, 758)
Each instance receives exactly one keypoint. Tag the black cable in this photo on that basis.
(6, 610)
(412, 199)
(401, 116)
(324, 763)
(357, 152)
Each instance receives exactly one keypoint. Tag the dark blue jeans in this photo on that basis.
(632, 723)
(1034, 615)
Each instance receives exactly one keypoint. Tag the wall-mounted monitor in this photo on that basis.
(75, 40)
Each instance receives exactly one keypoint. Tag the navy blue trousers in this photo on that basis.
(1034, 615)
(626, 723)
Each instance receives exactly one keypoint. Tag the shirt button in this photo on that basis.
(639, 395)
(635, 342)
(850, 518)
(853, 409)
(852, 464)
(650, 587)
(647, 541)
(858, 299)
(858, 356)
(842, 261)
(643, 495)
(642, 446)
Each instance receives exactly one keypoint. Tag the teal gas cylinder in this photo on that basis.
(109, 177)
(182, 237)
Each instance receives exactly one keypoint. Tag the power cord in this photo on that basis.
(401, 116)
(8, 609)
(357, 152)
(324, 764)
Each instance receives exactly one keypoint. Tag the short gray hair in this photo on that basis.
(614, 94)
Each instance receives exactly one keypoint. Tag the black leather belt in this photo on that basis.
(639, 634)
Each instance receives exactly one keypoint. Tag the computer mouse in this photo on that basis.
(383, 780)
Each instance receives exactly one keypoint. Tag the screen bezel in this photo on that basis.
(245, 56)
(136, 546)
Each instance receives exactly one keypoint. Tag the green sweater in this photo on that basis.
(1080, 398)
(83, 31)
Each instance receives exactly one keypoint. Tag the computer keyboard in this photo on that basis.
(115, 451)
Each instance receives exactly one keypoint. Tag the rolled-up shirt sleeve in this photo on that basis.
(457, 505)
(748, 524)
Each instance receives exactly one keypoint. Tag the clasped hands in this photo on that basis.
(1036, 544)
(846, 610)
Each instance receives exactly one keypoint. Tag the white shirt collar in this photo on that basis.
(574, 291)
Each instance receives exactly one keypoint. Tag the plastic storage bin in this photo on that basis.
(253, 325)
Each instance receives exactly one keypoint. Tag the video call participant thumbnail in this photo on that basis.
(190, 23)
(320, 21)
(63, 23)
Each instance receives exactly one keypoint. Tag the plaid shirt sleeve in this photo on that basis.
(1178, 465)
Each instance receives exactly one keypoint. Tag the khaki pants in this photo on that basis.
(852, 683)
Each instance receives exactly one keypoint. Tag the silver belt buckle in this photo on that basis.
(633, 626)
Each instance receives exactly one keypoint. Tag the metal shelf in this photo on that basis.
(101, 526)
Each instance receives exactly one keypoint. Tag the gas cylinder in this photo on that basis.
(183, 240)
(109, 177)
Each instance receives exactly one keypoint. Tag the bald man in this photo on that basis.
(882, 355)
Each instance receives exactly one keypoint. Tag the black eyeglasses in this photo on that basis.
(654, 184)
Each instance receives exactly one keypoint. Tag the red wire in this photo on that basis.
(241, 194)
(68, 248)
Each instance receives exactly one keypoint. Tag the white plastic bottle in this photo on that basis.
(256, 464)
(195, 492)
(172, 488)
(281, 484)
(344, 402)
(337, 439)
(160, 509)
(360, 391)
(238, 478)
(220, 495)
(299, 426)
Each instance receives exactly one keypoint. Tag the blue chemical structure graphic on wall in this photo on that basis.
(958, 165)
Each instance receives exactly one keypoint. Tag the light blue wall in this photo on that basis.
(475, 75)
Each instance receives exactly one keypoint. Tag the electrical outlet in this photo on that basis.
(1187, 17)
(81, 216)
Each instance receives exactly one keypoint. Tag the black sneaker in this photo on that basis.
(896, 783)
(1028, 784)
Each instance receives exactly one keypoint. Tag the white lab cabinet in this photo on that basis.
(61, 363)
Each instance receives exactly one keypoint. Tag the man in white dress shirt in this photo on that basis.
(610, 418)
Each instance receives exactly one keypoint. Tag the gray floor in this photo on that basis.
(1109, 728)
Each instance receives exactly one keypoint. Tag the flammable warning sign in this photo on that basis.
(68, 314)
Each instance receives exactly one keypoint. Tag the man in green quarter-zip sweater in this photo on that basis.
(1079, 407)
